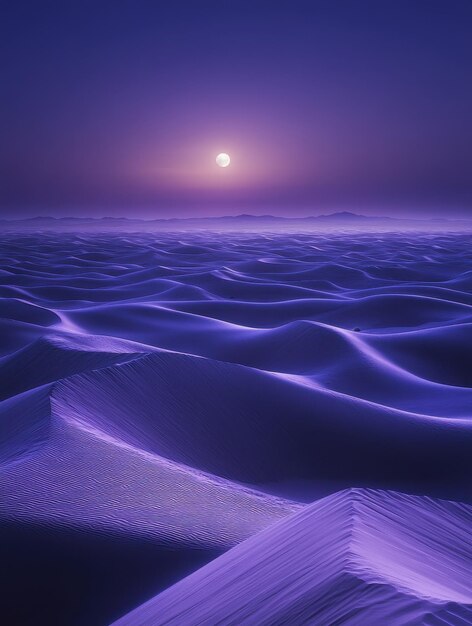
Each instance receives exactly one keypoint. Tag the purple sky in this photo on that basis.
(120, 108)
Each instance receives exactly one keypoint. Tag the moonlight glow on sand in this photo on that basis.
(223, 159)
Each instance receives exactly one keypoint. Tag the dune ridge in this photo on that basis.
(355, 557)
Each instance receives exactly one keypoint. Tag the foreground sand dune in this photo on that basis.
(355, 557)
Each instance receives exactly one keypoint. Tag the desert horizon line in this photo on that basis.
(339, 215)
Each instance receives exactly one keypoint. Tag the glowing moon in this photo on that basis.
(223, 159)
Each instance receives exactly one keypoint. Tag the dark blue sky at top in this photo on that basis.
(120, 108)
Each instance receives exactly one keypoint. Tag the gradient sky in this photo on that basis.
(119, 108)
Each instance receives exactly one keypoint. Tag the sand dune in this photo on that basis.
(356, 557)
(166, 396)
(64, 483)
(209, 415)
(56, 356)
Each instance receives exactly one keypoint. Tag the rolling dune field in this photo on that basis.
(201, 428)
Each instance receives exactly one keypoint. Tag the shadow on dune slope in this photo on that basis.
(254, 427)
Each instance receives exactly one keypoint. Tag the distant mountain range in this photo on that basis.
(339, 219)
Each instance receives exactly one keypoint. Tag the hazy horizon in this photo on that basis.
(341, 214)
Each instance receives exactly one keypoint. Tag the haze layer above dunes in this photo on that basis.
(166, 396)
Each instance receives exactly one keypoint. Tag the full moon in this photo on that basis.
(223, 159)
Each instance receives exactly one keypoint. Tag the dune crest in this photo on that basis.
(355, 557)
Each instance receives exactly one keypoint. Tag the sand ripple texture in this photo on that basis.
(301, 403)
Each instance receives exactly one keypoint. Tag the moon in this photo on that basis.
(223, 159)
